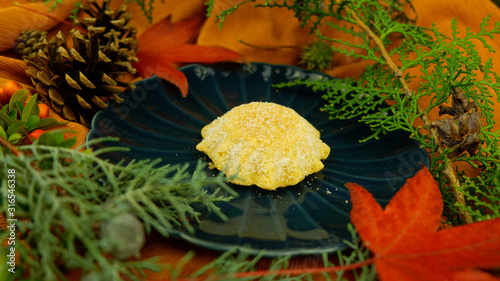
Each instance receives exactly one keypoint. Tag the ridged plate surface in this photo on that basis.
(308, 218)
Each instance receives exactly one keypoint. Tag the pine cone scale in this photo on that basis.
(86, 82)
(96, 100)
(68, 113)
(44, 78)
(56, 97)
(71, 82)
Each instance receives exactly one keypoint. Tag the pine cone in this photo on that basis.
(118, 20)
(29, 42)
(78, 81)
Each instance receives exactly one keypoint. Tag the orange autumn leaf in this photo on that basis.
(165, 45)
(406, 243)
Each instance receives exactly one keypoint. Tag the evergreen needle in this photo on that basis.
(450, 67)
(63, 206)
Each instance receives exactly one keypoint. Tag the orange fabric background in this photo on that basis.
(278, 27)
(265, 27)
(258, 26)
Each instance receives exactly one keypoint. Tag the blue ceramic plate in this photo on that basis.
(308, 218)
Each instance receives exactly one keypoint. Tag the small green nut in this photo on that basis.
(123, 236)
(317, 56)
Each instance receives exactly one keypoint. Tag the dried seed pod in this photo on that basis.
(462, 132)
(459, 105)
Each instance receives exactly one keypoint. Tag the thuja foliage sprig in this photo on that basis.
(454, 77)
(483, 192)
(79, 211)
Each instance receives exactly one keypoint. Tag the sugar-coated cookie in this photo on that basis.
(264, 144)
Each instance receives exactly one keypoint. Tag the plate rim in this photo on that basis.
(183, 234)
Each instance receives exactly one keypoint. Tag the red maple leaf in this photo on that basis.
(405, 240)
(165, 45)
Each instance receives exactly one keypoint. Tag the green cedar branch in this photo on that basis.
(449, 171)
(447, 65)
(63, 206)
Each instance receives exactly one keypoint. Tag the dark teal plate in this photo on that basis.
(308, 218)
